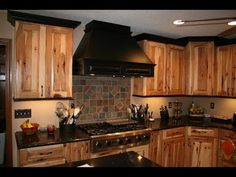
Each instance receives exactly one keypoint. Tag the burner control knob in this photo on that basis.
(138, 138)
(127, 140)
(108, 143)
(98, 144)
(145, 137)
(119, 141)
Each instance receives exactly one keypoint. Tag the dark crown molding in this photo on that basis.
(12, 16)
(219, 41)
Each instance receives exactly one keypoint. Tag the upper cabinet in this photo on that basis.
(58, 62)
(169, 72)
(199, 68)
(175, 70)
(30, 58)
(225, 67)
(43, 61)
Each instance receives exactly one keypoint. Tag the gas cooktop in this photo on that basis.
(106, 128)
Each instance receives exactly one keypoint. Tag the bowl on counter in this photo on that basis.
(31, 130)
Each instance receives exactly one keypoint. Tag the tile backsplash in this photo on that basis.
(104, 97)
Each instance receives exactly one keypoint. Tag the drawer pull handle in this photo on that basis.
(196, 131)
(45, 153)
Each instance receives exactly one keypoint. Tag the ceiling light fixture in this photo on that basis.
(178, 22)
(232, 23)
(225, 20)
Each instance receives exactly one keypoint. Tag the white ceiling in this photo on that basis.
(159, 22)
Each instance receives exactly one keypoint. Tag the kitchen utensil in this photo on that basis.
(78, 113)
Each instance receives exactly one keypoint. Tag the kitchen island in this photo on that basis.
(126, 159)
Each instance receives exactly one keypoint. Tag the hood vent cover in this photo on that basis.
(109, 49)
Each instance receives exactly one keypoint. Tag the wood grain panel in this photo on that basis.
(40, 156)
(200, 60)
(224, 70)
(29, 55)
(59, 62)
(173, 152)
(77, 151)
(233, 83)
(155, 147)
(175, 70)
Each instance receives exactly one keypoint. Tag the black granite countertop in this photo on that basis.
(159, 124)
(43, 138)
(126, 159)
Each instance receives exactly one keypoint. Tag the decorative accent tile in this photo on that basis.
(103, 97)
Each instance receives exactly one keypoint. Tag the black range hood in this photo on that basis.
(108, 49)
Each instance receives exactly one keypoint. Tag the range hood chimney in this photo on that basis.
(108, 49)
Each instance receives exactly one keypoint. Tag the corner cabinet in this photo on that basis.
(201, 149)
(225, 160)
(169, 71)
(43, 61)
(200, 57)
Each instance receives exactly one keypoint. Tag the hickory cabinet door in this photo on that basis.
(201, 152)
(30, 55)
(223, 69)
(175, 71)
(233, 78)
(58, 62)
(153, 85)
(200, 68)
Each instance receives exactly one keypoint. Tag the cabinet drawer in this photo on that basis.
(202, 132)
(42, 156)
(227, 134)
(173, 133)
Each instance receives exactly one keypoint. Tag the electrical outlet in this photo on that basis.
(212, 105)
(170, 105)
(22, 113)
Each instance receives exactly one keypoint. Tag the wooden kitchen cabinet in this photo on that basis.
(225, 69)
(173, 147)
(43, 61)
(42, 156)
(153, 85)
(201, 147)
(30, 51)
(155, 147)
(76, 151)
(224, 161)
(169, 72)
(175, 70)
(199, 68)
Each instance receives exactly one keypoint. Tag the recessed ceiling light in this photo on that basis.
(232, 23)
(178, 22)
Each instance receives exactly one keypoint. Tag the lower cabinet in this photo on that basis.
(42, 156)
(155, 147)
(228, 139)
(167, 147)
(76, 151)
(201, 149)
(172, 147)
(57, 154)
